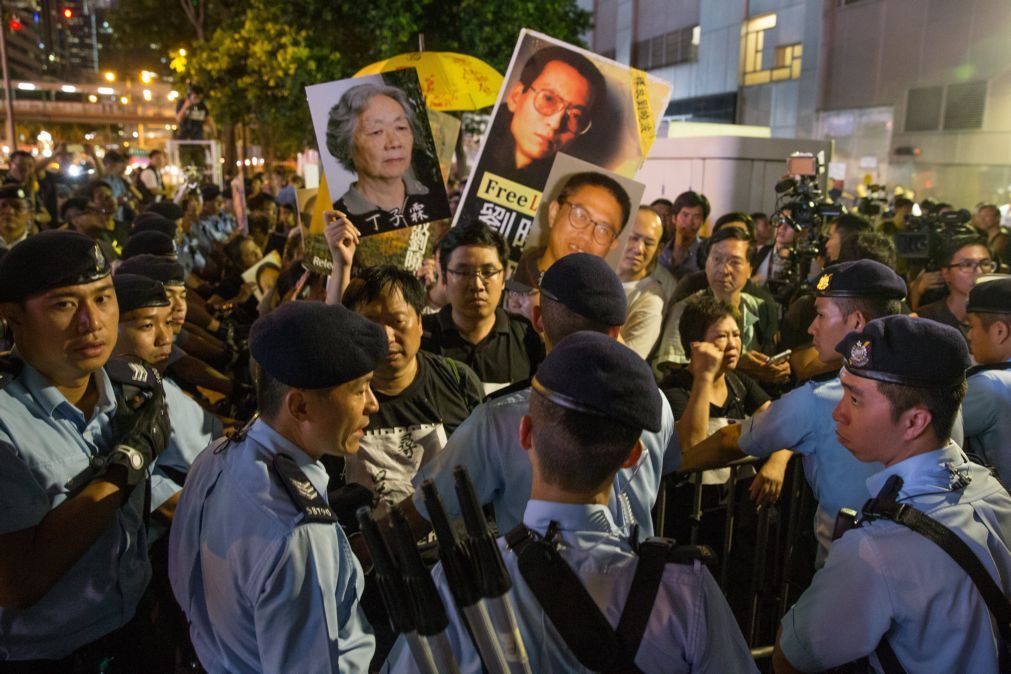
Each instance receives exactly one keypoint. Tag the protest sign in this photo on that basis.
(377, 151)
(264, 274)
(556, 98)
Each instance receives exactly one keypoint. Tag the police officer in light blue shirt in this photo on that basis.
(591, 400)
(145, 332)
(76, 444)
(257, 560)
(986, 411)
(578, 292)
(887, 589)
(847, 296)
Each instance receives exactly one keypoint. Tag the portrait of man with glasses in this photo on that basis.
(554, 102)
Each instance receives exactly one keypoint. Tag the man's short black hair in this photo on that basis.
(848, 224)
(154, 153)
(667, 203)
(113, 157)
(471, 234)
(869, 245)
(535, 65)
(731, 234)
(576, 451)
(691, 199)
(17, 154)
(578, 181)
(968, 236)
(259, 223)
(560, 321)
(375, 282)
(902, 202)
(79, 204)
(259, 201)
(735, 216)
(759, 215)
(700, 312)
(942, 403)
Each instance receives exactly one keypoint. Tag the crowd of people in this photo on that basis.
(189, 432)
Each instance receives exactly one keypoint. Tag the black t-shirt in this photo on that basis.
(744, 396)
(410, 428)
(511, 352)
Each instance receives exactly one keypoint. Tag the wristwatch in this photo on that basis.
(131, 459)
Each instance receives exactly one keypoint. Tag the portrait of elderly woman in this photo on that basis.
(375, 133)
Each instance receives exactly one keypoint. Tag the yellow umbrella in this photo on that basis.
(448, 81)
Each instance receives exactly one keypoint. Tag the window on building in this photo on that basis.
(787, 61)
(963, 106)
(678, 46)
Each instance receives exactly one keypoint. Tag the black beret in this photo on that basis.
(152, 222)
(150, 242)
(50, 259)
(209, 192)
(585, 284)
(166, 209)
(860, 278)
(991, 296)
(134, 291)
(908, 351)
(13, 191)
(312, 345)
(591, 373)
(159, 268)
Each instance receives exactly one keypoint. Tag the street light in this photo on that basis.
(146, 76)
(109, 76)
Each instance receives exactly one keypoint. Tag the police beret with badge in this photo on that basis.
(591, 373)
(134, 291)
(311, 345)
(585, 284)
(990, 296)
(908, 351)
(159, 268)
(149, 243)
(860, 278)
(50, 259)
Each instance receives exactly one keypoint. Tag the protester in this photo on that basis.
(644, 293)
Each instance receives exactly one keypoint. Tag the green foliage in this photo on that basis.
(257, 60)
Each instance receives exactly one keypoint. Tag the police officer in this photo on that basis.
(145, 332)
(987, 408)
(578, 292)
(887, 591)
(848, 295)
(256, 558)
(78, 434)
(592, 400)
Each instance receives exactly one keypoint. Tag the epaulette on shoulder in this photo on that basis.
(506, 390)
(976, 369)
(302, 493)
(132, 372)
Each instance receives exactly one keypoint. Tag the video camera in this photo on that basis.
(802, 205)
(873, 202)
(928, 237)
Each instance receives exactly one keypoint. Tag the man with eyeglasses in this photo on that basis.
(966, 259)
(586, 217)
(15, 215)
(472, 328)
(551, 105)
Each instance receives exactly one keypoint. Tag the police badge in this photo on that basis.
(823, 282)
(860, 354)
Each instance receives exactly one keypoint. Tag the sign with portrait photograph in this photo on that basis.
(379, 158)
(557, 98)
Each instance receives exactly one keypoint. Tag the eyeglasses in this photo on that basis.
(580, 218)
(985, 266)
(548, 103)
(736, 263)
(486, 274)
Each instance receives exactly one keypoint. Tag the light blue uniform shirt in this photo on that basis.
(802, 421)
(44, 443)
(488, 445)
(263, 591)
(691, 628)
(986, 414)
(884, 579)
(193, 428)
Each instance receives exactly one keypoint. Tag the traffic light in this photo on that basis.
(15, 23)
